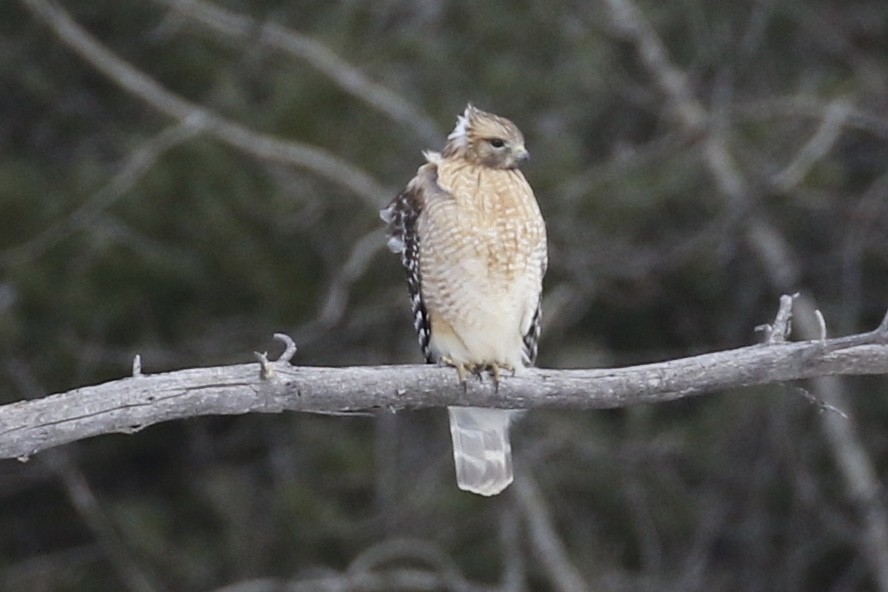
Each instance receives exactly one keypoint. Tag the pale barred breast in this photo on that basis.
(483, 249)
(497, 210)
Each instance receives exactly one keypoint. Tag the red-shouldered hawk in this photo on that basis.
(473, 242)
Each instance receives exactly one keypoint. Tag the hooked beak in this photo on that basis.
(521, 155)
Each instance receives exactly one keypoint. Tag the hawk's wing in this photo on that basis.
(532, 337)
(401, 217)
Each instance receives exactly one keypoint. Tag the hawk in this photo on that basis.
(473, 243)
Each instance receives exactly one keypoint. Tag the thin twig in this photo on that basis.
(779, 331)
(820, 403)
(289, 344)
(265, 369)
(821, 323)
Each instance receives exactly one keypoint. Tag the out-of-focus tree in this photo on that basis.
(181, 179)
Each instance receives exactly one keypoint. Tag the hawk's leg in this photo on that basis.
(496, 372)
(462, 369)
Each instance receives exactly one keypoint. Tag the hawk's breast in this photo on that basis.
(482, 252)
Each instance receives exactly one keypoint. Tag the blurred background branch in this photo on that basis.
(347, 77)
(135, 167)
(145, 88)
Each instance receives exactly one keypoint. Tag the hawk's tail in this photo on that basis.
(481, 449)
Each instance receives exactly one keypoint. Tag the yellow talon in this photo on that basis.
(496, 372)
(461, 368)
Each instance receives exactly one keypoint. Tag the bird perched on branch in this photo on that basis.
(473, 243)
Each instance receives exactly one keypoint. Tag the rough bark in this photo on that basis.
(129, 404)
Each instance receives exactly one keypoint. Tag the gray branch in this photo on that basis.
(132, 403)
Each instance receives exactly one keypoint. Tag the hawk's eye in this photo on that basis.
(497, 143)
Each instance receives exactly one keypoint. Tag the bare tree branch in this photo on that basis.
(130, 404)
(147, 89)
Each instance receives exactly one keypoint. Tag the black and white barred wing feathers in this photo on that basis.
(402, 217)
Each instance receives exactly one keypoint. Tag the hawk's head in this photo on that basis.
(486, 139)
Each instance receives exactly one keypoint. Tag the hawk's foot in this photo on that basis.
(496, 372)
(462, 369)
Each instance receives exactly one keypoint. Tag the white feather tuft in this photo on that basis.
(396, 244)
(432, 156)
(460, 132)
